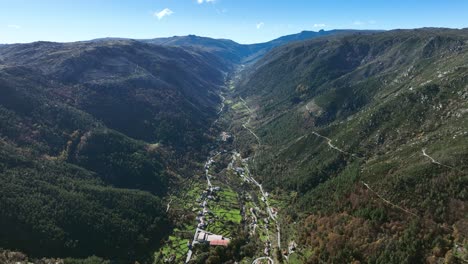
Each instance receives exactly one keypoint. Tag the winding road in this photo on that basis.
(262, 258)
(210, 186)
(387, 201)
(435, 161)
(244, 125)
(221, 109)
(250, 177)
(329, 141)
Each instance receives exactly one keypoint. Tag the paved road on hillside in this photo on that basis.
(262, 258)
(265, 198)
(329, 142)
(251, 179)
(435, 161)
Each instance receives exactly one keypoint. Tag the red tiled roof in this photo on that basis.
(219, 243)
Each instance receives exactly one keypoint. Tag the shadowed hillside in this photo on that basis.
(84, 123)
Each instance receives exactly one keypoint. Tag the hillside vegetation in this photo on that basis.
(370, 134)
(92, 136)
(358, 138)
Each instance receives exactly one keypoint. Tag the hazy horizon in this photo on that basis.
(213, 37)
(243, 21)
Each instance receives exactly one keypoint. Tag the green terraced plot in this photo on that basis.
(176, 247)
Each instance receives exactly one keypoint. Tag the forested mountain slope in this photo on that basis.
(229, 50)
(234, 53)
(365, 133)
(85, 129)
(369, 134)
(94, 133)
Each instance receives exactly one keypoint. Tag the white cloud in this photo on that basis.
(320, 25)
(205, 1)
(14, 26)
(260, 25)
(161, 14)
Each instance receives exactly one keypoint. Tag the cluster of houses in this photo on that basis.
(208, 194)
(253, 224)
(241, 172)
(208, 163)
(212, 239)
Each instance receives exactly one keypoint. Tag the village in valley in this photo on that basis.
(218, 205)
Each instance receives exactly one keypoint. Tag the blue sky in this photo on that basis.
(245, 21)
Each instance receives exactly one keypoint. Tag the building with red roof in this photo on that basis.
(223, 243)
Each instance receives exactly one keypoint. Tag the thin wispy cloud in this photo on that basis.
(163, 13)
(319, 25)
(14, 26)
(205, 1)
(260, 25)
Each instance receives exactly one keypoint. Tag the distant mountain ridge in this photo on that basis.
(244, 53)
(229, 50)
